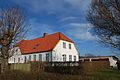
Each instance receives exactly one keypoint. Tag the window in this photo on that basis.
(47, 57)
(18, 60)
(29, 57)
(37, 44)
(69, 46)
(34, 58)
(14, 60)
(74, 58)
(64, 57)
(64, 45)
(16, 50)
(34, 47)
(70, 57)
(25, 59)
(40, 57)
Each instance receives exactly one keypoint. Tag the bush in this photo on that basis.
(74, 70)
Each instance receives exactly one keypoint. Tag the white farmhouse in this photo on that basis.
(51, 48)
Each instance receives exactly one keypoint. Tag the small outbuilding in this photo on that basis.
(112, 60)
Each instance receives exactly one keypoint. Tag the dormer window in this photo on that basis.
(64, 45)
(37, 44)
(34, 47)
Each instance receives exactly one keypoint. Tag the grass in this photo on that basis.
(106, 74)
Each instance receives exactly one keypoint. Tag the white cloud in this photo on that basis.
(65, 10)
(54, 6)
(49, 6)
(85, 36)
(84, 25)
(75, 3)
(67, 19)
(80, 31)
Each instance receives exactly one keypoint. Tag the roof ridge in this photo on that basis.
(44, 37)
(65, 37)
(59, 35)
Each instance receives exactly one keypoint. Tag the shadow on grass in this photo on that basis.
(20, 75)
(107, 74)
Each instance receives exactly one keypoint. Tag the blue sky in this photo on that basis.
(66, 16)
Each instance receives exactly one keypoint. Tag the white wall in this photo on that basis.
(112, 62)
(17, 55)
(58, 51)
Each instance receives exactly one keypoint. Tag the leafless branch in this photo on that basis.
(105, 16)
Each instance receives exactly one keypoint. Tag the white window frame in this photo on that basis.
(75, 58)
(64, 57)
(40, 57)
(70, 46)
(47, 57)
(64, 45)
(34, 58)
(70, 57)
(29, 57)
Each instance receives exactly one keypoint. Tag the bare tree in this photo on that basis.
(105, 16)
(12, 27)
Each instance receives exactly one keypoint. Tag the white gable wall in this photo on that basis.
(59, 51)
(15, 54)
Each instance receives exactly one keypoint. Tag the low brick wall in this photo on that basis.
(31, 66)
(37, 66)
(60, 68)
(23, 67)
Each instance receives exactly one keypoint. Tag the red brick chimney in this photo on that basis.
(45, 34)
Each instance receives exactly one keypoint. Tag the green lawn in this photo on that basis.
(108, 74)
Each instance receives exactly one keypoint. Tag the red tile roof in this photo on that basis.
(43, 44)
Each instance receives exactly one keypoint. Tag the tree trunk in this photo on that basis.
(4, 60)
(4, 65)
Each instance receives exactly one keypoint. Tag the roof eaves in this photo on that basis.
(36, 52)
